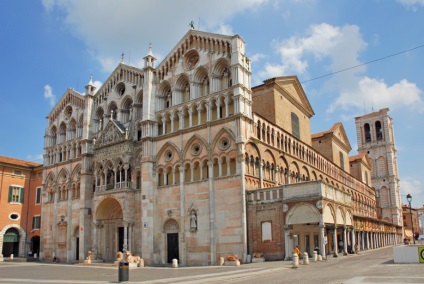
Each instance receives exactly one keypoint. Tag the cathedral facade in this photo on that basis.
(185, 160)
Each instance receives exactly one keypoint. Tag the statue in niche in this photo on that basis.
(193, 221)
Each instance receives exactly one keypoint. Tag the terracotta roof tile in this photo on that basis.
(18, 162)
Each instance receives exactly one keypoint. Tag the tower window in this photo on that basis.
(378, 130)
(367, 130)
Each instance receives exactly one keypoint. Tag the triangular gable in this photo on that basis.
(121, 73)
(113, 133)
(340, 133)
(203, 40)
(291, 88)
(70, 97)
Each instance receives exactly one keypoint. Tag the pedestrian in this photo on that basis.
(297, 251)
(356, 248)
(341, 246)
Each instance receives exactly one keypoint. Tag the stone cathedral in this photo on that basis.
(186, 160)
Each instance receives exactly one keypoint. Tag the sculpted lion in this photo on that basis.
(119, 256)
(132, 258)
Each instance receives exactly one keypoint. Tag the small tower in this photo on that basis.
(89, 89)
(149, 59)
(375, 136)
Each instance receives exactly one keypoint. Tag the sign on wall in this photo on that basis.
(421, 254)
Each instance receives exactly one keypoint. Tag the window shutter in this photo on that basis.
(22, 195)
(10, 194)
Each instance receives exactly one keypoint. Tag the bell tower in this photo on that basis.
(375, 136)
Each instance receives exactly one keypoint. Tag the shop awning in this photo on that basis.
(408, 233)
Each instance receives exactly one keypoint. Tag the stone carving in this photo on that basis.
(285, 208)
(193, 221)
(119, 256)
(88, 255)
(232, 257)
(110, 135)
(134, 261)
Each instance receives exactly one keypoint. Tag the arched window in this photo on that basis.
(295, 125)
(378, 130)
(367, 132)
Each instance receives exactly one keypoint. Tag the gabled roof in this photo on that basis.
(290, 88)
(337, 132)
(71, 97)
(362, 157)
(188, 36)
(18, 162)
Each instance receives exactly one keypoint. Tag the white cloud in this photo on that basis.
(36, 158)
(97, 84)
(225, 29)
(48, 4)
(340, 45)
(110, 27)
(378, 94)
(412, 186)
(48, 95)
(257, 57)
(412, 4)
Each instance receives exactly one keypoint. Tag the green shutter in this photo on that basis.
(22, 195)
(10, 194)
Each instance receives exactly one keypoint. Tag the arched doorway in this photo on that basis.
(11, 242)
(172, 240)
(35, 245)
(110, 236)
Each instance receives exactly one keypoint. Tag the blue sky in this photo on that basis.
(49, 46)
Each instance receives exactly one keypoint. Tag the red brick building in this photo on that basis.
(20, 207)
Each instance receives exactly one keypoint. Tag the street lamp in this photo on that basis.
(409, 198)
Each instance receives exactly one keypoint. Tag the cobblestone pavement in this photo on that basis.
(374, 266)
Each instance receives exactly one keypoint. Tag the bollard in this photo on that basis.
(221, 261)
(295, 261)
(249, 258)
(305, 258)
(319, 257)
(123, 271)
(11, 256)
(35, 255)
(175, 263)
(315, 256)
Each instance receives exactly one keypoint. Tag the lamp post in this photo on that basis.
(409, 198)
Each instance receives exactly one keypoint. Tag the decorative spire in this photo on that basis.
(90, 83)
(122, 57)
(191, 25)
(150, 53)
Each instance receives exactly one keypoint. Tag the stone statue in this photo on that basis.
(193, 221)
(119, 256)
(88, 255)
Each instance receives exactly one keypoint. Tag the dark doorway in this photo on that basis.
(77, 249)
(173, 251)
(121, 239)
(11, 243)
(35, 245)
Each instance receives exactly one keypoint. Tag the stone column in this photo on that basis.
(335, 242)
(344, 241)
(212, 214)
(69, 228)
(287, 242)
(322, 239)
